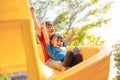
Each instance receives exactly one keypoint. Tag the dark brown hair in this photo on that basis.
(48, 23)
(59, 36)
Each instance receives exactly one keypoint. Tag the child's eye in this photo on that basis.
(61, 40)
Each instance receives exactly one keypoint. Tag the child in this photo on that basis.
(69, 58)
(50, 30)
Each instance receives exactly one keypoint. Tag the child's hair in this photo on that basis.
(59, 36)
(48, 23)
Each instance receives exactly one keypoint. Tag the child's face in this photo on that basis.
(50, 30)
(57, 42)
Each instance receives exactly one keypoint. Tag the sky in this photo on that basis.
(111, 31)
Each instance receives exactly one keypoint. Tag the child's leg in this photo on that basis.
(67, 59)
(76, 50)
(77, 59)
(54, 64)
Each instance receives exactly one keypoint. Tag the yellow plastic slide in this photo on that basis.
(19, 51)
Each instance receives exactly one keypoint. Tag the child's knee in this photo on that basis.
(76, 50)
(79, 57)
(69, 53)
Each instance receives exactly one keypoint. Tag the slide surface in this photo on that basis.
(19, 51)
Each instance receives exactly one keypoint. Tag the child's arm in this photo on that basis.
(38, 31)
(45, 34)
(69, 38)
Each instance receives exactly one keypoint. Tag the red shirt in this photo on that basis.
(43, 44)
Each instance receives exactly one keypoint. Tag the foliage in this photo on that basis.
(3, 77)
(84, 39)
(75, 8)
(116, 52)
(70, 12)
(42, 7)
(83, 14)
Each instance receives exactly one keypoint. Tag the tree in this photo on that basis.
(69, 12)
(4, 77)
(83, 14)
(84, 39)
(42, 8)
(72, 14)
(116, 53)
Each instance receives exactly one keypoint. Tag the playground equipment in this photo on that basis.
(19, 51)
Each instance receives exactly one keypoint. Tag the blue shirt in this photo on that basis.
(55, 52)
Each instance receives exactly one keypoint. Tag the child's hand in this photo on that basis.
(32, 10)
(62, 49)
(42, 24)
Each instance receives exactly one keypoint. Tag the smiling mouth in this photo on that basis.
(59, 45)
